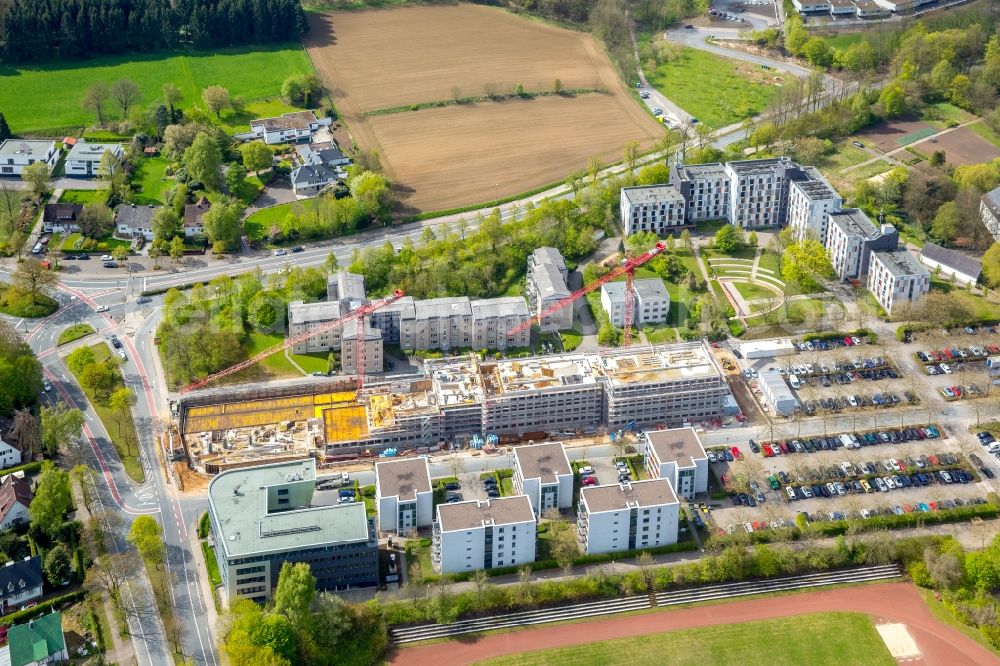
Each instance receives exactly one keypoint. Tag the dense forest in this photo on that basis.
(38, 30)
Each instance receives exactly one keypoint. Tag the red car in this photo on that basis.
(768, 452)
(589, 481)
(783, 448)
(848, 341)
(736, 453)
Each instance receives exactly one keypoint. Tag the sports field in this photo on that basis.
(465, 154)
(962, 146)
(47, 97)
(837, 639)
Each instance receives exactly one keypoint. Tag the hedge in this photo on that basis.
(204, 525)
(211, 564)
(834, 335)
(20, 617)
(28, 468)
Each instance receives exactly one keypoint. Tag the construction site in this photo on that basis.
(450, 403)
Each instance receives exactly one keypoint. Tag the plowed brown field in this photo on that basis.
(459, 155)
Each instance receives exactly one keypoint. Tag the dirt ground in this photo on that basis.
(890, 602)
(963, 146)
(458, 155)
(886, 136)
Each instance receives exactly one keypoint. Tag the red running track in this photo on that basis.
(889, 602)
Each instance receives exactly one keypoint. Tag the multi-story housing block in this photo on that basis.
(897, 277)
(758, 191)
(850, 240)
(810, 201)
(265, 516)
(545, 286)
(484, 535)
(403, 495)
(705, 188)
(438, 323)
(542, 473)
(660, 209)
(677, 456)
(627, 516)
(651, 302)
(989, 212)
(349, 348)
(492, 318)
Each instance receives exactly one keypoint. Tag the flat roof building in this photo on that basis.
(15, 154)
(484, 535)
(267, 515)
(84, 159)
(659, 209)
(651, 302)
(542, 473)
(897, 277)
(776, 392)
(705, 188)
(851, 237)
(677, 456)
(810, 201)
(628, 516)
(403, 495)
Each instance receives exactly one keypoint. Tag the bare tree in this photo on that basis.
(95, 98)
(126, 94)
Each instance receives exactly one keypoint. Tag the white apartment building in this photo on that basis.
(308, 316)
(896, 277)
(438, 323)
(545, 286)
(15, 154)
(989, 212)
(492, 318)
(651, 302)
(484, 535)
(677, 456)
(349, 348)
(628, 516)
(660, 209)
(758, 192)
(9, 455)
(851, 237)
(404, 496)
(542, 473)
(810, 202)
(84, 159)
(705, 188)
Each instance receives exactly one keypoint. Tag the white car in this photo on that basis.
(280, 253)
(101, 308)
(47, 387)
(585, 471)
(107, 257)
(946, 368)
(122, 355)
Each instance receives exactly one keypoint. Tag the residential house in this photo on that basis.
(326, 153)
(403, 495)
(677, 456)
(309, 179)
(10, 455)
(651, 302)
(484, 535)
(20, 583)
(84, 159)
(851, 237)
(542, 472)
(545, 286)
(657, 208)
(61, 218)
(964, 268)
(133, 220)
(194, 214)
(39, 641)
(288, 127)
(989, 212)
(15, 154)
(897, 277)
(627, 516)
(15, 501)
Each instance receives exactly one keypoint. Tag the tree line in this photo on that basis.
(73, 29)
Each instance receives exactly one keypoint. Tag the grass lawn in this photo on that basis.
(679, 299)
(738, 253)
(276, 364)
(834, 639)
(84, 197)
(943, 114)
(845, 154)
(124, 438)
(750, 291)
(16, 305)
(211, 564)
(842, 41)
(944, 616)
(251, 73)
(256, 225)
(770, 261)
(570, 339)
(419, 553)
(709, 227)
(75, 332)
(658, 334)
(251, 189)
(69, 244)
(312, 362)
(150, 181)
(977, 305)
(738, 89)
(984, 130)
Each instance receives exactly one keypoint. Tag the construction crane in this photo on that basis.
(627, 268)
(357, 314)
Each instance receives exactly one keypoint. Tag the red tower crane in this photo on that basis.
(357, 314)
(627, 268)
